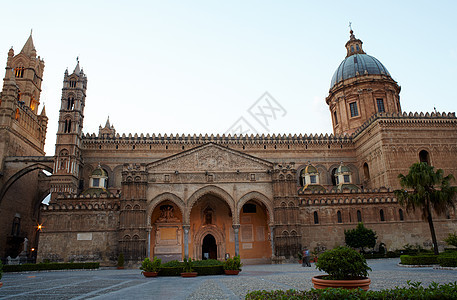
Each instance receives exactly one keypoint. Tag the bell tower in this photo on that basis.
(22, 127)
(67, 162)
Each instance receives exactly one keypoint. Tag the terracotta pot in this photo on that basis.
(1, 284)
(363, 283)
(150, 274)
(231, 272)
(300, 261)
(120, 268)
(189, 274)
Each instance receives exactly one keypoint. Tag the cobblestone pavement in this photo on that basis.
(130, 284)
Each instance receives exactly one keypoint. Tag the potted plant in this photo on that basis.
(187, 270)
(120, 261)
(300, 257)
(150, 267)
(232, 266)
(346, 268)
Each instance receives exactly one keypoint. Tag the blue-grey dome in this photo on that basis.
(358, 65)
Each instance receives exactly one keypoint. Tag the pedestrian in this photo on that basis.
(306, 257)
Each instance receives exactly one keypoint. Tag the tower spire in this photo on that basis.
(29, 48)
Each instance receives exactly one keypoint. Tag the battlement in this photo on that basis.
(410, 117)
(219, 139)
(364, 196)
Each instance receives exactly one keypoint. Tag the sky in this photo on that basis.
(175, 67)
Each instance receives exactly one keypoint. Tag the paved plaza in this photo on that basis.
(130, 284)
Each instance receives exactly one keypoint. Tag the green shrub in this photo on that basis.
(448, 259)
(1, 270)
(207, 262)
(172, 263)
(120, 260)
(451, 239)
(392, 254)
(209, 270)
(233, 264)
(151, 265)
(413, 291)
(50, 266)
(343, 263)
(360, 237)
(423, 259)
(170, 271)
(188, 265)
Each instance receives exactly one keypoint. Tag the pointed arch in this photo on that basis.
(260, 198)
(211, 190)
(163, 197)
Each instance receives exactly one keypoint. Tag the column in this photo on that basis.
(148, 250)
(236, 230)
(272, 240)
(186, 229)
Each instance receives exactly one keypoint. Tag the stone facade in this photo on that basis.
(263, 196)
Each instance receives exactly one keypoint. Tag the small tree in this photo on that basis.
(360, 237)
(422, 193)
(451, 240)
(120, 260)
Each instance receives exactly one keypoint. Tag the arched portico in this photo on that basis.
(209, 190)
(165, 226)
(257, 197)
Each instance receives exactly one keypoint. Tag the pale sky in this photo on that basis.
(197, 66)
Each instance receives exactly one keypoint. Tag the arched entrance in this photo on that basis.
(210, 228)
(209, 247)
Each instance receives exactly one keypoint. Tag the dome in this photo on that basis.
(309, 169)
(358, 65)
(343, 169)
(99, 172)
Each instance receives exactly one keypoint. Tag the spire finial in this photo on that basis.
(31, 31)
(350, 26)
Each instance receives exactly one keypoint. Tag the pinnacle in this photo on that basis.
(28, 48)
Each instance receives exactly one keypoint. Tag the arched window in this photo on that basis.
(400, 213)
(381, 215)
(70, 103)
(340, 219)
(72, 83)
(359, 216)
(16, 229)
(366, 171)
(316, 218)
(67, 128)
(334, 179)
(424, 157)
(19, 72)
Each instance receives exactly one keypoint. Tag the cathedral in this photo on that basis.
(263, 197)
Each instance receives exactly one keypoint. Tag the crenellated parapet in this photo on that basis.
(93, 140)
(409, 118)
(363, 196)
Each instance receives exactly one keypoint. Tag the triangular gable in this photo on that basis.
(210, 157)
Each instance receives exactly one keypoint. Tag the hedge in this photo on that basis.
(170, 271)
(50, 266)
(414, 291)
(209, 270)
(426, 259)
(448, 259)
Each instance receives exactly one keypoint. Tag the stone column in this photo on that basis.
(236, 230)
(272, 240)
(148, 250)
(186, 229)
